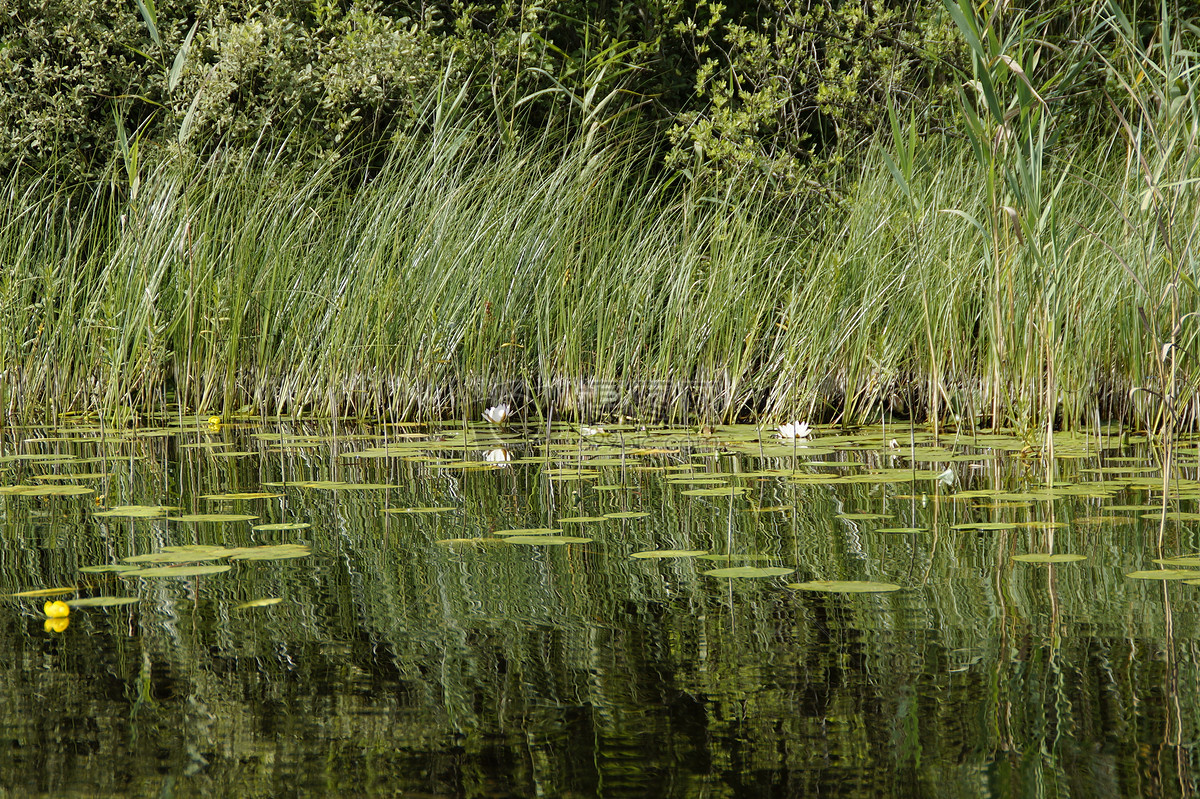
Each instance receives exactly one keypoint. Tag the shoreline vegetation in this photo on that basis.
(1029, 265)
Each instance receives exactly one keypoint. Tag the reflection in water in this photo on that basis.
(399, 665)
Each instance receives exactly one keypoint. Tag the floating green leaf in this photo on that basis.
(430, 509)
(845, 586)
(1187, 561)
(212, 517)
(102, 601)
(241, 495)
(627, 514)
(668, 553)
(530, 531)
(282, 526)
(177, 571)
(46, 491)
(478, 542)
(546, 539)
(1165, 574)
(901, 530)
(1038, 557)
(271, 552)
(258, 603)
(78, 476)
(45, 591)
(136, 511)
(581, 519)
(729, 491)
(749, 571)
(107, 568)
(185, 553)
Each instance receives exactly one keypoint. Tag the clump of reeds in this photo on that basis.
(960, 281)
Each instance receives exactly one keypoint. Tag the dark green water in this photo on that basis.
(396, 665)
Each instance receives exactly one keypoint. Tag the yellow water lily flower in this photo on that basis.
(57, 610)
(214, 422)
(55, 625)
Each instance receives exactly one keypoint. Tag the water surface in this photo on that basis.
(416, 651)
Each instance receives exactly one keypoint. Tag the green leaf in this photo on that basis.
(177, 571)
(845, 586)
(180, 59)
(1039, 557)
(738, 572)
(103, 601)
(653, 554)
(258, 603)
(150, 17)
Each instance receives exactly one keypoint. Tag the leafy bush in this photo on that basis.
(780, 90)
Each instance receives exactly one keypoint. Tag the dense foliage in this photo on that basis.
(779, 89)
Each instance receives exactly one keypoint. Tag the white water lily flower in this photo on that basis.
(584, 430)
(795, 430)
(498, 455)
(498, 414)
(947, 478)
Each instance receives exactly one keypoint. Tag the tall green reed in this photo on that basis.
(461, 271)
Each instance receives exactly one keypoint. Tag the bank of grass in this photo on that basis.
(583, 282)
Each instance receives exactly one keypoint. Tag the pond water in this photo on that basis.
(402, 644)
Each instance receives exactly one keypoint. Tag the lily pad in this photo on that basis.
(258, 603)
(652, 554)
(46, 491)
(581, 519)
(186, 553)
(76, 476)
(627, 514)
(902, 530)
(212, 517)
(136, 511)
(1186, 561)
(282, 526)
(102, 601)
(429, 509)
(728, 491)
(45, 591)
(177, 571)
(1039, 557)
(749, 571)
(476, 542)
(1165, 574)
(546, 539)
(845, 586)
(114, 568)
(530, 531)
(241, 495)
(271, 552)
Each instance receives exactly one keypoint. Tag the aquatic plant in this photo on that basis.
(795, 430)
